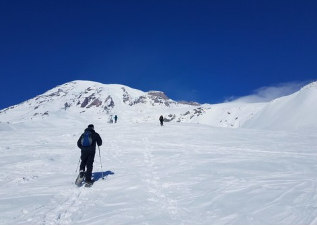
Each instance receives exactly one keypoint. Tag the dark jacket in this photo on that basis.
(96, 139)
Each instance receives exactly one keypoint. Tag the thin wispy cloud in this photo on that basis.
(268, 93)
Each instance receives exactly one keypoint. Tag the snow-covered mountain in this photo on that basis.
(92, 98)
(82, 99)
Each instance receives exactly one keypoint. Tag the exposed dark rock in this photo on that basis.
(187, 113)
(192, 103)
(84, 104)
(169, 118)
(96, 103)
(141, 99)
(199, 111)
(158, 94)
(109, 104)
(87, 100)
(88, 89)
(57, 93)
(126, 97)
(159, 98)
(110, 101)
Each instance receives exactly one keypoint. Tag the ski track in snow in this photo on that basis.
(69, 204)
(203, 176)
(158, 198)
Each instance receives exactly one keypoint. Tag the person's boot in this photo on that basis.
(81, 173)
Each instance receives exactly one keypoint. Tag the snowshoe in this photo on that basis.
(79, 180)
(88, 184)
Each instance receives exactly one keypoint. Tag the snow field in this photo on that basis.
(176, 174)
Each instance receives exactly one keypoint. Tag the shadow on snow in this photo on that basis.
(98, 175)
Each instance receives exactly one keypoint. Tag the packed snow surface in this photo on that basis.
(180, 173)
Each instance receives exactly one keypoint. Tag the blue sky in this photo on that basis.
(207, 51)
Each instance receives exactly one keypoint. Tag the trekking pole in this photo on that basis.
(77, 165)
(101, 164)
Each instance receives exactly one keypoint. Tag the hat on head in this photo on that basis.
(91, 126)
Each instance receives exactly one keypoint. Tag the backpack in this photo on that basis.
(86, 139)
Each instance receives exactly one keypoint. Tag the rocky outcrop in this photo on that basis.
(192, 103)
(160, 98)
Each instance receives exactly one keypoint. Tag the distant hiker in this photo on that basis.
(66, 106)
(115, 118)
(110, 120)
(161, 120)
(87, 143)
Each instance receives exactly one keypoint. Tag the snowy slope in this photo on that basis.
(176, 174)
(296, 111)
(230, 115)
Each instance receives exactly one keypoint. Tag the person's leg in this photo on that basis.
(90, 162)
(84, 158)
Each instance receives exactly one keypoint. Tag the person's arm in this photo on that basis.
(79, 143)
(99, 140)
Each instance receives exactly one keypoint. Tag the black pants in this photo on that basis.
(161, 122)
(87, 160)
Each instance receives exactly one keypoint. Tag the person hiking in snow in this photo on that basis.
(115, 118)
(161, 120)
(88, 151)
